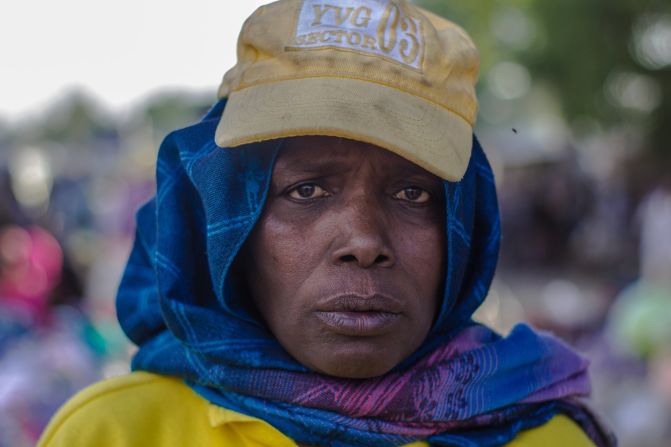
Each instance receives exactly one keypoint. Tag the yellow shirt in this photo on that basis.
(142, 409)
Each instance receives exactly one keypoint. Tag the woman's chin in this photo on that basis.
(356, 361)
(353, 371)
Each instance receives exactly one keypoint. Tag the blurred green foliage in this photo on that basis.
(607, 61)
(176, 110)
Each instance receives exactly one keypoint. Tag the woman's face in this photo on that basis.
(346, 262)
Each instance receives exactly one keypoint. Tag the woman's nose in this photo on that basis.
(363, 236)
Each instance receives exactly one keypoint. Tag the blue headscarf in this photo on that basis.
(465, 385)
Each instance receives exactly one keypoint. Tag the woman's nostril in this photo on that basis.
(348, 259)
(381, 259)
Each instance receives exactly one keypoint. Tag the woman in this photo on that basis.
(313, 282)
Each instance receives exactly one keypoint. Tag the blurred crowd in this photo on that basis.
(590, 260)
(70, 183)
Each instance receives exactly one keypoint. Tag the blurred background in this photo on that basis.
(575, 114)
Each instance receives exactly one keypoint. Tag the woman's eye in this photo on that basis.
(413, 194)
(307, 191)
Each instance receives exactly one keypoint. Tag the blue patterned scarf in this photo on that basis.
(465, 386)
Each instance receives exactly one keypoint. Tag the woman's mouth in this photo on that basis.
(359, 315)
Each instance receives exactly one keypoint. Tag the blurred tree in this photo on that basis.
(174, 110)
(608, 61)
(75, 119)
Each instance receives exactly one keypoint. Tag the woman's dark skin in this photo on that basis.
(346, 262)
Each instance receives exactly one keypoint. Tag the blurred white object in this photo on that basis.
(31, 178)
(655, 251)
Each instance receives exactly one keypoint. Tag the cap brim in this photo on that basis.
(418, 130)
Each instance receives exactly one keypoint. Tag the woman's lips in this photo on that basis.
(363, 324)
(359, 315)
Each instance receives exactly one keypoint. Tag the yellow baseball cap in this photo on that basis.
(383, 72)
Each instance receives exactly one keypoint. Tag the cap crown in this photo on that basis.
(389, 42)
